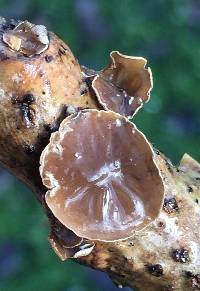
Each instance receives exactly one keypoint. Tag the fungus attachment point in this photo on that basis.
(102, 179)
(27, 38)
(63, 235)
(124, 85)
(82, 250)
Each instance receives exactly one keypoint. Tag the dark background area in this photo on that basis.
(167, 34)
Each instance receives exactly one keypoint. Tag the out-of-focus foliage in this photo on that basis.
(167, 34)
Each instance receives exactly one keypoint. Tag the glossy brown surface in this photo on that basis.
(27, 38)
(124, 85)
(104, 184)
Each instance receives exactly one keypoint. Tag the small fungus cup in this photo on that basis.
(124, 85)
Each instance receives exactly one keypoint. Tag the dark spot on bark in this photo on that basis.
(197, 201)
(169, 166)
(194, 280)
(111, 250)
(88, 81)
(155, 270)
(27, 111)
(157, 152)
(14, 100)
(61, 52)
(161, 223)
(49, 58)
(28, 99)
(197, 178)
(3, 56)
(43, 92)
(84, 91)
(65, 49)
(122, 275)
(189, 274)
(30, 149)
(74, 62)
(47, 127)
(47, 82)
(170, 205)
(42, 140)
(27, 114)
(8, 26)
(41, 74)
(190, 189)
(50, 128)
(54, 128)
(181, 255)
(83, 88)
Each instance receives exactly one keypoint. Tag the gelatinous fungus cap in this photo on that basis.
(102, 179)
(124, 85)
(27, 38)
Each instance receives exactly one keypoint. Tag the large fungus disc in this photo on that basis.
(124, 85)
(102, 179)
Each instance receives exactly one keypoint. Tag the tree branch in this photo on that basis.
(36, 94)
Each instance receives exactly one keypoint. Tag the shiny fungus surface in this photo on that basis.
(102, 179)
(124, 85)
(27, 38)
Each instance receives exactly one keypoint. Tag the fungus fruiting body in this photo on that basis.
(27, 38)
(37, 91)
(102, 179)
(124, 85)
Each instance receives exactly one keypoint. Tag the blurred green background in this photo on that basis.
(167, 34)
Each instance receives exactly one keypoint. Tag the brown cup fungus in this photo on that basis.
(124, 85)
(102, 179)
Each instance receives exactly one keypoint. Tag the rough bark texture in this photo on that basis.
(36, 94)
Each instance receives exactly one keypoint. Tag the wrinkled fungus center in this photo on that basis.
(103, 182)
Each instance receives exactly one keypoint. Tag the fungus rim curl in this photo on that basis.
(153, 171)
(103, 76)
